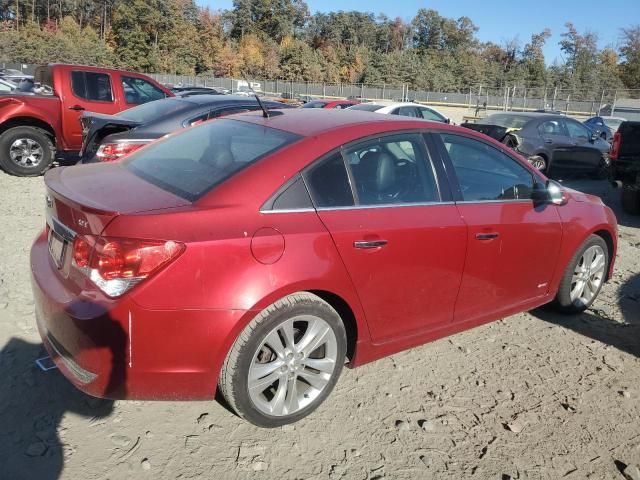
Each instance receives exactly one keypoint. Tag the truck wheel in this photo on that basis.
(25, 151)
(630, 199)
(538, 163)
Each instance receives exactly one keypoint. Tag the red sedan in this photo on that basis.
(330, 104)
(258, 255)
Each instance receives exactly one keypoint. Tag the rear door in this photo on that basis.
(400, 239)
(91, 91)
(512, 244)
(584, 155)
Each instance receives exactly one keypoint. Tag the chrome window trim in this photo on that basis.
(288, 210)
(386, 205)
(514, 200)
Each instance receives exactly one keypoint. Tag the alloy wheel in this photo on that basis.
(588, 275)
(26, 153)
(292, 365)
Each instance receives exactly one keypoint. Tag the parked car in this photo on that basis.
(625, 159)
(549, 141)
(13, 75)
(35, 129)
(111, 137)
(403, 108)
(7, 86)
(606, 127)
(327, 103)
(188, 91)
(255, 255)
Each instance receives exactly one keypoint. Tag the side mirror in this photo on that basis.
(594, 137)
(551, 192)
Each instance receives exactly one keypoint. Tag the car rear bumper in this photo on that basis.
(120, 350)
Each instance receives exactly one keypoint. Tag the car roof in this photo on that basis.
(309, 121)
(531, 115)
(212, 99)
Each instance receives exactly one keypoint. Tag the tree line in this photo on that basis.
(282, 39)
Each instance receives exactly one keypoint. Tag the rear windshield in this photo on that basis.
(194, 161)
(506, 121)
(367, 107)
(314, 105)
(155, 110)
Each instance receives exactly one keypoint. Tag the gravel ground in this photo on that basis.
(533, 396)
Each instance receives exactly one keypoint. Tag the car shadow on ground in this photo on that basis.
(33, 402)
(623, 334)
(604, 189)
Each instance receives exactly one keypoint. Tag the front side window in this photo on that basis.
(485, 173)
(191, 163)
(138, 90)
(392, 170)
(428, 114)
(367, 107)
(551, 127)
(91, 86)
(577, 131)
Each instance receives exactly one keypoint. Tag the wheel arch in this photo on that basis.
(608, 239)
(29, 122)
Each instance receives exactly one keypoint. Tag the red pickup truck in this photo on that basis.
(42, 125)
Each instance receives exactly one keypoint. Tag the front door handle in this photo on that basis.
(364, 244)
(77, 108)
(487, 236)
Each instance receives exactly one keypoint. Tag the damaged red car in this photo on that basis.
(259, 255)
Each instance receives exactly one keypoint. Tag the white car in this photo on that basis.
(406, 109)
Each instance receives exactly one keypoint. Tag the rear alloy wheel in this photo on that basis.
(584, 276)
(285, 362)
(25, 151)
(538, 162)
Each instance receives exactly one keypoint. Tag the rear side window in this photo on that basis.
(138, 91)
(314, 105)
(92, 86)
(194, 161)
(406, 112)
(367, 107)
(485, 173)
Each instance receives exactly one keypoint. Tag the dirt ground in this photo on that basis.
(533, 396)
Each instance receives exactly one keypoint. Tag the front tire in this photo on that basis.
(584, 276)
(26, 151)
(285, 363)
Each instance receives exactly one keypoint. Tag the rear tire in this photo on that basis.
(584, 276)
(285, 363)
(26, 151)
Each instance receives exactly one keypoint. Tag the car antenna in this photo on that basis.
(265, 112)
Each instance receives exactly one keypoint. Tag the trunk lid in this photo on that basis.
(84, 199)
(96, 126)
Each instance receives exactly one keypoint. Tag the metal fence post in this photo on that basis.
(601, 103)
(383, 87)
(555, 94)
(615, 100)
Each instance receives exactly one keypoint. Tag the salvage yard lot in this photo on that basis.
(532, 396)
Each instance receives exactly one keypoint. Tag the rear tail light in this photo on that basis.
(116, 265)
(615, 146)
(110, 152)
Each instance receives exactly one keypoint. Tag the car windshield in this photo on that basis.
(154, 110)
(191, 163)
(314, 105)
(505, 120)
(367, 107)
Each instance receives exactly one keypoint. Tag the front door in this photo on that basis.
(91, 92)
(403, 248)
(584, 154)
(512, 245)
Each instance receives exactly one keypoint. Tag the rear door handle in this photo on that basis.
(77, 108)
(487, 236)
(363, 244)
(548, 141)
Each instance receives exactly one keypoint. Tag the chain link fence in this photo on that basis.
(479, 98)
